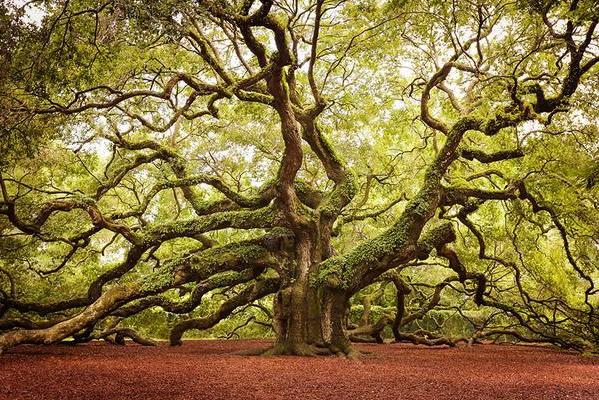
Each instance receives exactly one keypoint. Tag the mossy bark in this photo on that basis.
(308, 319)
(101, 307)
(312, 324)
(297, 306)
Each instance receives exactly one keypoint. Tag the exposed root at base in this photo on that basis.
(304, 350)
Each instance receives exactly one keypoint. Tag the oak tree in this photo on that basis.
(321, 154)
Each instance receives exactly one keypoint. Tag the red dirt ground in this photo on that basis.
(213, 370)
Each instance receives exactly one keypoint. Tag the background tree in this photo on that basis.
(411, 156)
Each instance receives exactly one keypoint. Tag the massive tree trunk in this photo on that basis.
(308, 318)
(310, 321)
(304, 314)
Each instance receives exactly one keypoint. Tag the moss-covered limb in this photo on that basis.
(345, 188)
(308, 195)
(486, 158)
(223, 279)
(27, 323)
(435, 238)
(169, 276)
(262, 199)
(107, 302)
(342, 194)
(254, 97)
(266, 217)
(313, 135)
(253, 292)
(366, 261)
(260, 17)
(146, 144)
(161, 280)
(397, 245)
(9, 210)
(520, 111)
(508, 116)
(60, 205)
(241, 15)
(203, 265)
(257, 253)
(467, 196)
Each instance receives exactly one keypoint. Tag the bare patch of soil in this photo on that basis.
(212, 370)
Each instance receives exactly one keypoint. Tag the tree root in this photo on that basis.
(432, 341)
(303, 350)
(122, 333)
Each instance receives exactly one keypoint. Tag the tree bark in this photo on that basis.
(101, 307)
